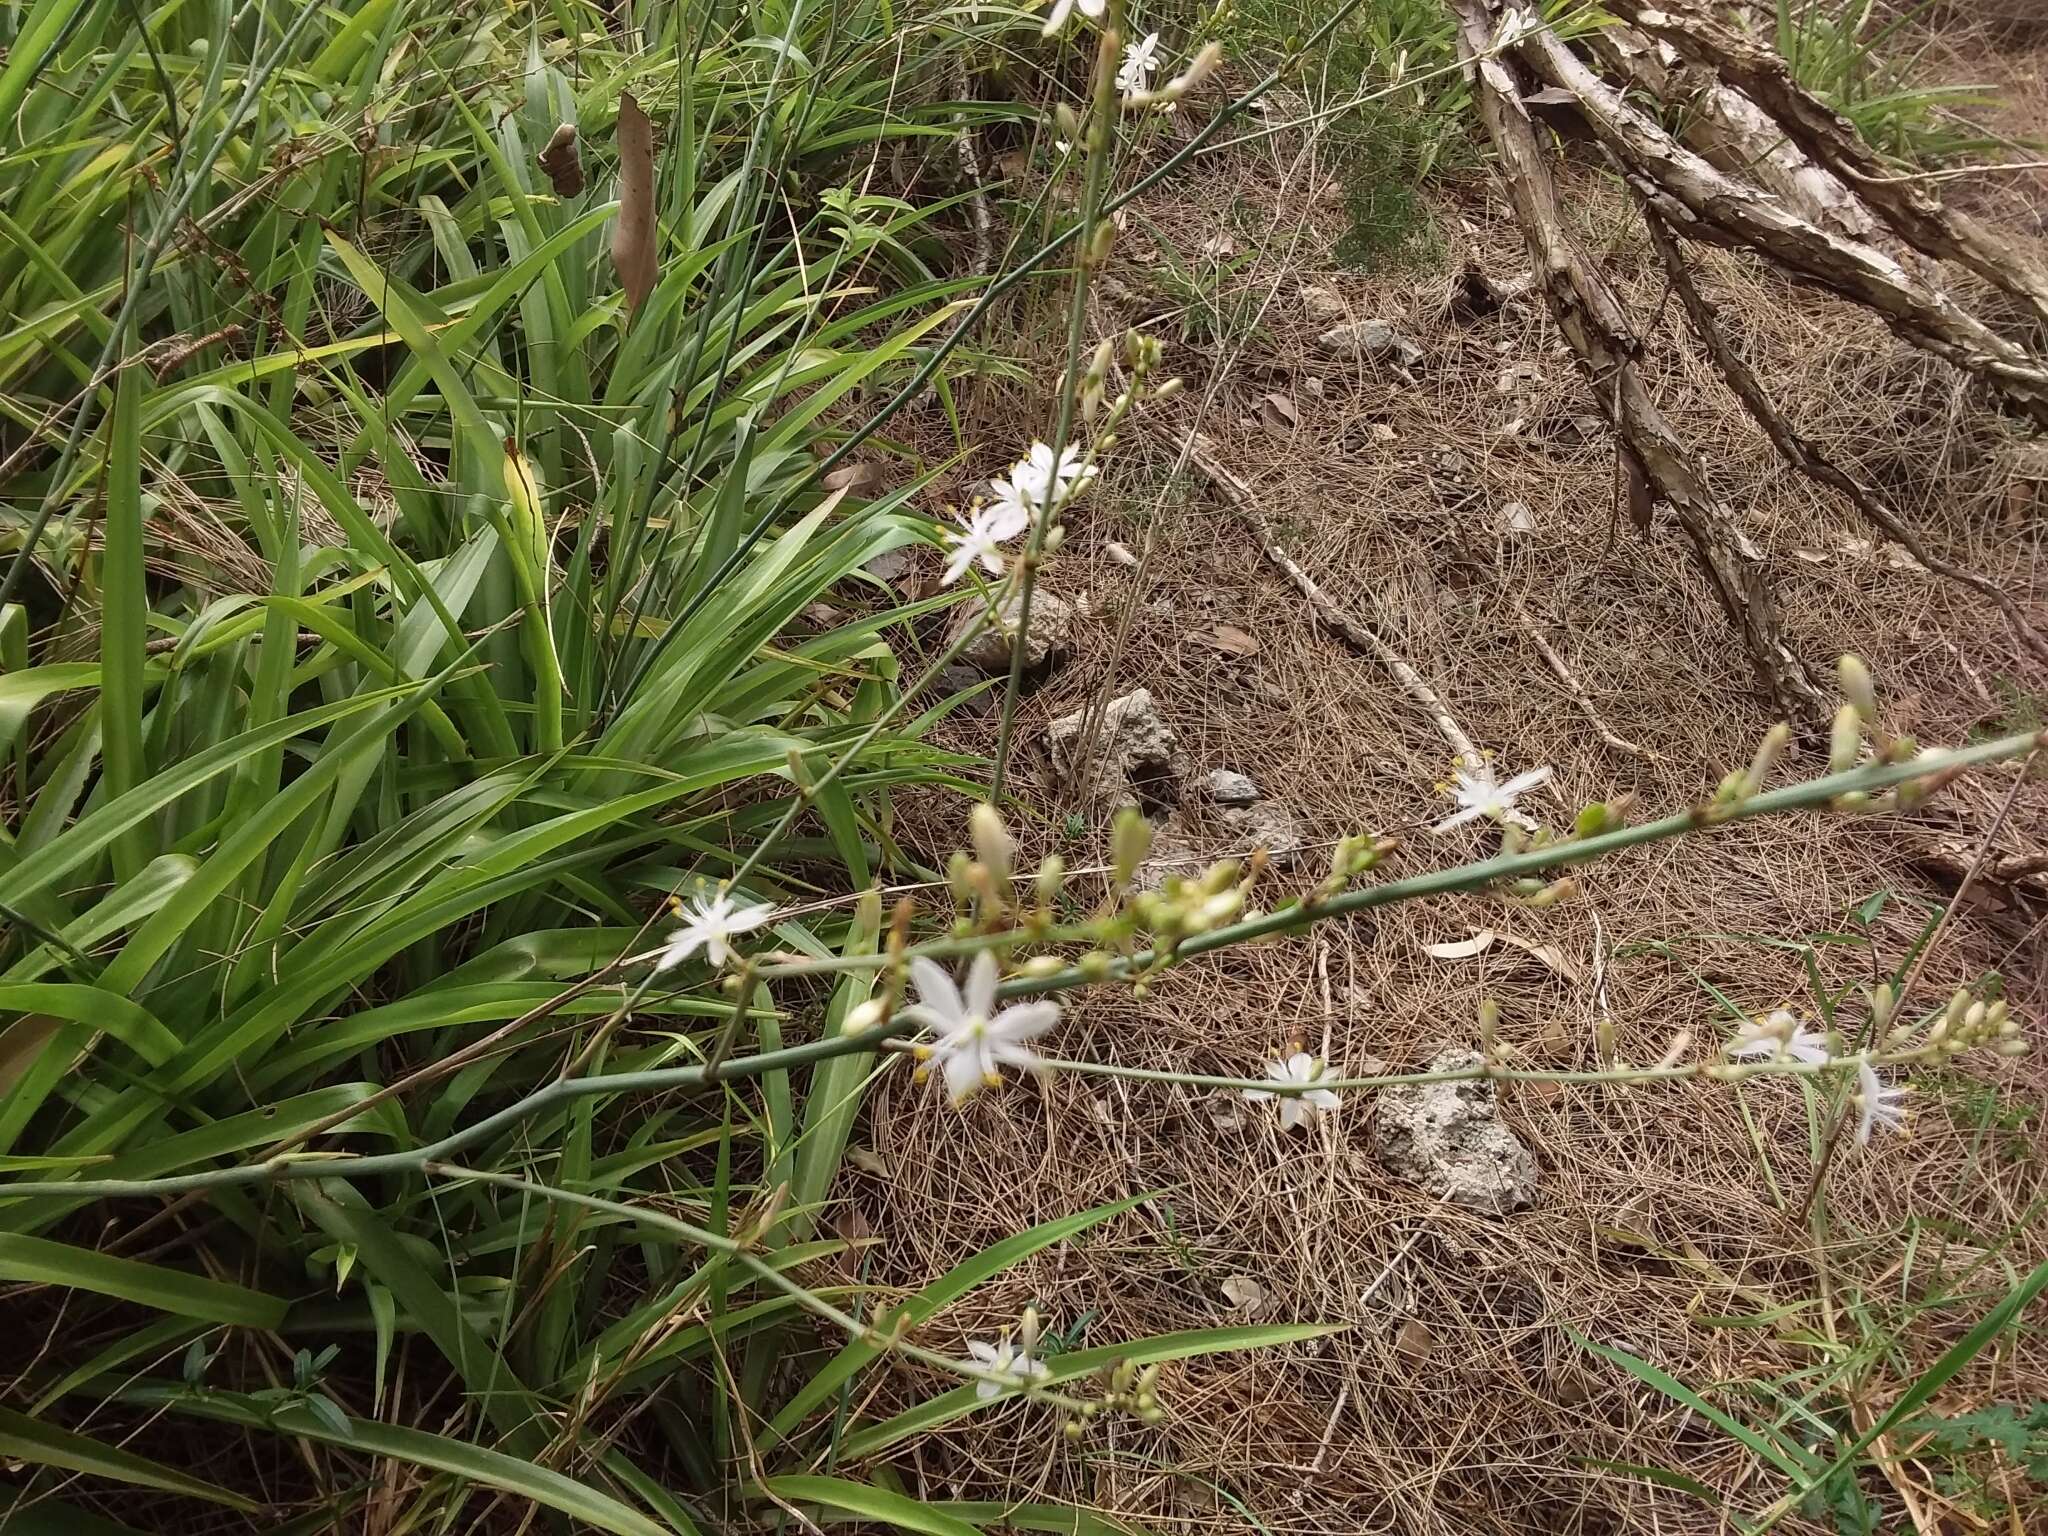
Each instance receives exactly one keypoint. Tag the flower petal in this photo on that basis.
(1470, 813)
(936, 994)
(1025, 1021)
(981, 984)
(963, 1074)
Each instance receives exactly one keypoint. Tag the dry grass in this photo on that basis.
(1658, 1208)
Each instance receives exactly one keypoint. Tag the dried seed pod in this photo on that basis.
(563, 162)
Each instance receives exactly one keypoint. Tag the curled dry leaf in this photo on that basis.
(1464, 949)
(1244, 1293)
(562, 159)
(633, 230)
(1278, 413)
(860, 478)
(1120, 553)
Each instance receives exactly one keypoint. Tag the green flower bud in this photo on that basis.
(1857, 686)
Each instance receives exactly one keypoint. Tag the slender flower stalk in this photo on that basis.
(1094, 181)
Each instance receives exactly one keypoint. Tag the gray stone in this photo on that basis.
(1323, 306)
(1448, 1138)
(1374, 341)
(1269, 825)
(1051, 637)
(1228, 788)
(891, 565)
(1133, 752)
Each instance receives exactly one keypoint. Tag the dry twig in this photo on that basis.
(1359, 635)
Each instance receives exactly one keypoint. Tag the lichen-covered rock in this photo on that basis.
(1133, 755)
(1374, 341)
(1448, 1138)
(1269, 825)
(1051, 637)
(1228, 788)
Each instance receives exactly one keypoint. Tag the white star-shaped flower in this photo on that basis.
(1296, 1108)
(1480, 794)
(1041, 482)
(1062, 9)
(1878, 1107)
(1780, 1037)
(979, 537)
(711, 926)
(1140, 59)
(970, 1039)
(1008, 1357)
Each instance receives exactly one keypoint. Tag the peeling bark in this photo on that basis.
(1913, 208)
(1704, 204)
(1803, 455)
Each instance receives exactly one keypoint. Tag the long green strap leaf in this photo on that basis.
(40, 1261)
(45, 1445)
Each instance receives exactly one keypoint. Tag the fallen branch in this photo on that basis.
(970, 168)
(1359, 635)
(1703, 204)
(1564, 675)
(1908, 205)
(1733, 132)
(1591, 320)
(1802, 454)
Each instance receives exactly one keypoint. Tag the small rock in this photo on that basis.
(1269, 825)
(956, 678)
(1448, 1138)
(1323, 306)
(1052, 633)
(1133, 751)
(890, 565)
(1373, 340)
(1228, 788)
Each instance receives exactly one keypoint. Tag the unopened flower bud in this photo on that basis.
(1857, 686)
(1052, 875)
(1845, 739)
(1100, 241)
(957, 876)
(1068, 122)
(992, 843)
(1767, 753)
(1130, 840)
(1170, 388)
(866, 1015)
(1038, 967)
(1882, 1001)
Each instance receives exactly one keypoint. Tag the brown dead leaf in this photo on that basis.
(563, 162)
(859, 479)
(633, 230)
(1231, 639)
(1549, 954)
(1244, 1293)
(1277, 411)
(1413, 1341)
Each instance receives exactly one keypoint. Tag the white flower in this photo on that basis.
(1878, 1105)
(1013, 505)
(1780, 1037)
(1040, 483)
(1140, 59)
(1296, 1108)
(1062, 9)
(972, 1040)
(980, 537)
(1513, 27)
(1478, 794)
(710, 926)
(1011, 1358)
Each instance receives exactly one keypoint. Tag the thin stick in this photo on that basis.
(1358, 635)
(1571, 684)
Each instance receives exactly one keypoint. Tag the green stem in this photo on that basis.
(1094, 181)
(1488, 872)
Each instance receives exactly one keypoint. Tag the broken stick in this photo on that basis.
(1360, 636)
